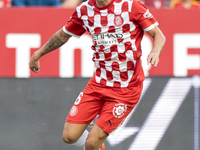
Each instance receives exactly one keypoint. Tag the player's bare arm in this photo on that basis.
(158, 44)
(56, 41)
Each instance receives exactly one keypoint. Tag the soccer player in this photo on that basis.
(117, 28)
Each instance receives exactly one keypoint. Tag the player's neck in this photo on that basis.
(102, 3)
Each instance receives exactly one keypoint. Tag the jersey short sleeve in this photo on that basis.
(142, 16)
(74, 26)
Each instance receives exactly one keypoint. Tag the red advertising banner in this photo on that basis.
(24, 30)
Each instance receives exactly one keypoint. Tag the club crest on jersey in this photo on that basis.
(73, 111)
(118, 20)
(119, 110)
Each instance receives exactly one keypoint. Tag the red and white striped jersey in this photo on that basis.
(117, 30)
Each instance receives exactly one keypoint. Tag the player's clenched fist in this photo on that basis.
(34, 63)
(153, 59)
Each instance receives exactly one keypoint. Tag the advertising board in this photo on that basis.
(25, 30)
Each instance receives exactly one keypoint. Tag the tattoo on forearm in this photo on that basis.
(54, 43)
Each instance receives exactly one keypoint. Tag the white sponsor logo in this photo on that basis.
(23, 44)
(107, 38)
(182, 60)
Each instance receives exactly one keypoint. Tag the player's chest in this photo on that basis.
(106, 22)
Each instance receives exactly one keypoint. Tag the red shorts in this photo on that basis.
(111, 104)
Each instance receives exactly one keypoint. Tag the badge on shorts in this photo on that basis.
(119, 110)
(73, 111)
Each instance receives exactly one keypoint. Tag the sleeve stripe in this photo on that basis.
(151, 26)
(67, 32)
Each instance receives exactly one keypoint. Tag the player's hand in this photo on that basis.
(34, 64)
(153, 59)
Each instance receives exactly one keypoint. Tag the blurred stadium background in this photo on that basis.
(33, 107)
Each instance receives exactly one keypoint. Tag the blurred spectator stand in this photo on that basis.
(184, 4)
(155, 3)
(22, 3)
(71, 3)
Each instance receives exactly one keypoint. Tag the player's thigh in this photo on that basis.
(72, 131)
(86, 106)
(113, 115)
(96, 137)
(117, 106)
